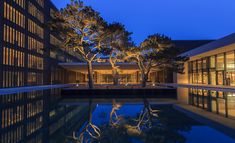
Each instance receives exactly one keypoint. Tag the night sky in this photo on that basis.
(179, 19)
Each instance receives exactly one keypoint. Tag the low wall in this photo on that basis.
(6, 91)
(120, 93)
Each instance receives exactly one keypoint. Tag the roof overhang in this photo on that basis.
(82, 67)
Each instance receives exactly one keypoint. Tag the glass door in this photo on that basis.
(230, 78)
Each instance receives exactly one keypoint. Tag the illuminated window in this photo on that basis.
(204, 63)
(230, 60)
(13, 57)
(220, 77)
(220, 62)
(230, 78)
(195, 65)
(205, 78)
(20, 3)
(199, 78)
(13, 36)
(35, 45)
(35, 62)
(199, 64)
(212, 78)
(35, 12)
(35, 29)
(13, 15)
(35, 78)
(212, 62)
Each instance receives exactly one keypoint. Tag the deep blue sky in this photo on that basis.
(179, 19)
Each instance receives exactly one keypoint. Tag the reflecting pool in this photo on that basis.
(42, 117)
(142, 122)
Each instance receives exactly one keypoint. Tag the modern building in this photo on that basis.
(30, 55)
(209, 77)
(29, 49)
(128, 72)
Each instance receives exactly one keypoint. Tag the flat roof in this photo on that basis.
(82, 67)
(225, 41)
(187, 45)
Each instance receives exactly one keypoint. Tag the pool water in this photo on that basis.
(119, 122)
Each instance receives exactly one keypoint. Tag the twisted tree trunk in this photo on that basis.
(90, 75)
(114, 71)
(144, 79)
(115, 77)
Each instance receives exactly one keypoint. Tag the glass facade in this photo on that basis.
(214, 70)
(25, 61)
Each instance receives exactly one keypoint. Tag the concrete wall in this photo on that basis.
(183, 93)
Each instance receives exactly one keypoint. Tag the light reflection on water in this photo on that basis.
(120, 122)
(41, 117)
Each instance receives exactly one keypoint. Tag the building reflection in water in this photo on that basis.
(222, 103)
(36, 117)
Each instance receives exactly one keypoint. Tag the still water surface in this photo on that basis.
(41, 117)
(130, 122)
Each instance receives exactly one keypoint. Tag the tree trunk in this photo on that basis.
(115, 77)
(90, 75)
(144, 79)
(114, 71)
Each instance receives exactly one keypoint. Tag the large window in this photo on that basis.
(195, 65)
(220, 78)
(230, 61)
(36, 12)
(14, 15)
(212, 62)
(13, 57)
(213, 78)
(230, 78)
(35, 45)
(220, 62)
(204, 64)
(13, 36)
(35, 28)
(35, 62)
(215, 70)
(199, 64)
(194, 77)
(199, 78)
(205, 78)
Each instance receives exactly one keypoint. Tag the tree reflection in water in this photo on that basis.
(148, 126)
(89, 132)
(114, 119)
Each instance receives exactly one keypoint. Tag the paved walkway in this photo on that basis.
(110, 86)
(216, 121)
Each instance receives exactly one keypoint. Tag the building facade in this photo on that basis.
(211, 65)
(29, 50)
(30, 54)
(128, 73)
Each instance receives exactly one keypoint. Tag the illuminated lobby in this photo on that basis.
(128, 74)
